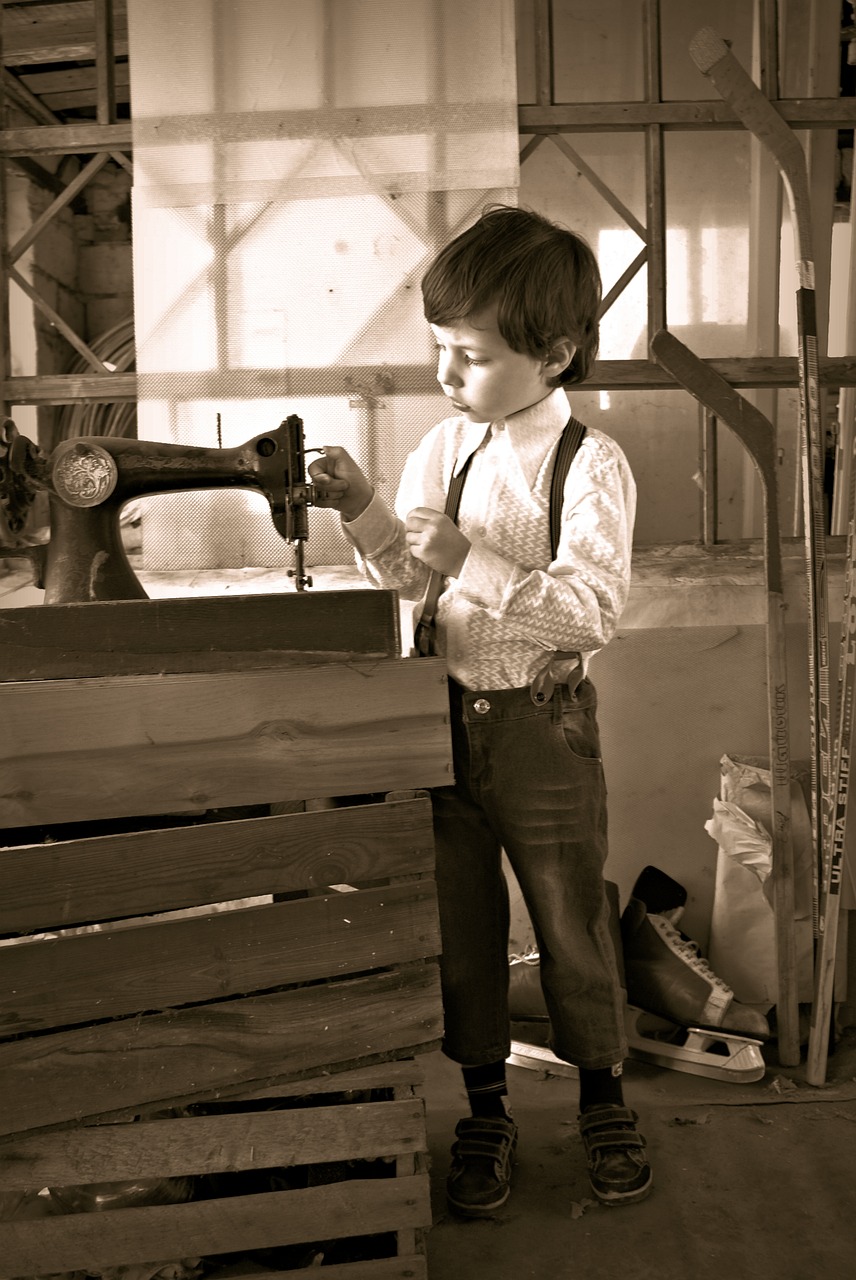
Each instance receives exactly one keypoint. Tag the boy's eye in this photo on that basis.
(473, 360)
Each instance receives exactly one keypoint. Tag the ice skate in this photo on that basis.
(666, 975)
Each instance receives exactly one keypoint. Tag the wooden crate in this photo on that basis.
(157, 964)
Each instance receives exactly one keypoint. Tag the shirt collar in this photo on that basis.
(531, 433)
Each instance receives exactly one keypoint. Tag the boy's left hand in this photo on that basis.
(436, 540)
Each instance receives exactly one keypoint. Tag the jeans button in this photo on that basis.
(482, 706)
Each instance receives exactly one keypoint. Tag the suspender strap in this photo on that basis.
(572, 438)
(569, 442)
(423, 636)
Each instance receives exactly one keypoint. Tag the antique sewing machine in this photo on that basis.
(89, 479)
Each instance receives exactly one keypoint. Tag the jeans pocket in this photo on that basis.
(578, 725)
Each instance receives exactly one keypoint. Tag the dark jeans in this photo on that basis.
(529, 780)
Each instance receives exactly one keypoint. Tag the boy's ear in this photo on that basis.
(559, 356)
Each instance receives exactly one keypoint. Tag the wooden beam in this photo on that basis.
(42, 177)
(66, 139)
(59, 41)
(73, 80)
(105, 62)
(412, 380)
(623, 117)
(543, 52)
(37, 109)
(56, 206)
(623, 281)
(5, 342)
(609, 117)
(69, 388)
(72, 338)
(655, 195)
(594, 179)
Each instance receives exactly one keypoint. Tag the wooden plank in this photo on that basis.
(216, 1050)
(153, 965)
(184, 1146)
(194, 1054)
(80, 750)
(141, 637)
(84, 1241)
(105, 877)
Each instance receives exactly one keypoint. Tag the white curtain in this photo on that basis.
(296, 165)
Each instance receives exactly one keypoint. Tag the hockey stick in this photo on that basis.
(758, 437)
(712, 56)
(827, 943)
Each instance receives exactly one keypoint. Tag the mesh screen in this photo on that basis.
(296, 165)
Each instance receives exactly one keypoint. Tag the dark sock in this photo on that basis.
(601, 1087)
(486, 1088)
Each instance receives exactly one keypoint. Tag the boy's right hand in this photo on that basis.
(339, 483)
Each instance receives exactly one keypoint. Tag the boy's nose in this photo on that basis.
(448, 375)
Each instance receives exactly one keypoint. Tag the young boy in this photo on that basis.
(513, 304)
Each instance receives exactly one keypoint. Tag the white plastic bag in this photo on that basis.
(742, 948)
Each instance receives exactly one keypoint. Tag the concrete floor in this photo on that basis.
(752, 1182)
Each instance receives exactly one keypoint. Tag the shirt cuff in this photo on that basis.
(372, 530)
(485, 577)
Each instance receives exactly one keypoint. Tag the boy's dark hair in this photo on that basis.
(543, 278)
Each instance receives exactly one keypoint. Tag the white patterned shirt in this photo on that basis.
(512, 607)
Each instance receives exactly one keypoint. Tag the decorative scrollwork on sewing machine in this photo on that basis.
(89, 479)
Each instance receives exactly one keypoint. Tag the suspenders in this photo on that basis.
(570, 441)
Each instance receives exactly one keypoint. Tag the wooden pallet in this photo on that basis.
(156, 972)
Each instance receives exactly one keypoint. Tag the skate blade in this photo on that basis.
(720, 1055)
(535, 1057)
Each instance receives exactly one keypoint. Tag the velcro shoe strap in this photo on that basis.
(471, 1147)
(483, 1136)
(610, 1127)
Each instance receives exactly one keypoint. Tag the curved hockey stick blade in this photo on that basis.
(735, 86)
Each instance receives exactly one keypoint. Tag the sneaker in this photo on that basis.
(479, 1180)
(618, 1168)
(666, 975)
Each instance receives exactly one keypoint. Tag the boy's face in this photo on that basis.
(481, 375)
